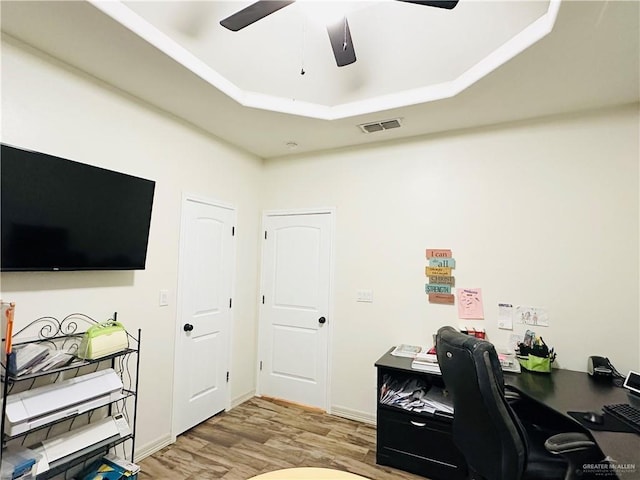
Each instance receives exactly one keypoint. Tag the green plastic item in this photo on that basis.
(103, 339)
(535, 364)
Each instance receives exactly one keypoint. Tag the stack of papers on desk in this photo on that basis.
(414, 395)
(509, 362)
(427, 362)
(408, 351)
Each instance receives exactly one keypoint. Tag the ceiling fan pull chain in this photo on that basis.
(302, 45)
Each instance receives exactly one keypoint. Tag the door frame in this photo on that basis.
(331, 211)
(187, 197)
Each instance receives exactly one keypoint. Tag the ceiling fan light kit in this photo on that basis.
(339, 33)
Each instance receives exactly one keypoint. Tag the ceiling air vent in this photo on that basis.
(379, 126)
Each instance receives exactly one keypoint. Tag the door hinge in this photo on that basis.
(230, 302)
(265, 234)
(227, 376)
(260, 365)
(263, 299)
(233, 231)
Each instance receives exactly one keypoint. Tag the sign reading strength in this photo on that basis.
(435, 288)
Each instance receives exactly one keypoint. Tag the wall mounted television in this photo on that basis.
(57, 214)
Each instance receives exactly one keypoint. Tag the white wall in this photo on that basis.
(49, 108)
(543, 214)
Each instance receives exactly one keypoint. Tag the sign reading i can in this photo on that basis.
(438, 253)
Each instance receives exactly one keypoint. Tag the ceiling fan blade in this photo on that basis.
(252, 13)
(341, 43)
(434, 3)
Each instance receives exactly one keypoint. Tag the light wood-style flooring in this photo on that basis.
(264, 435)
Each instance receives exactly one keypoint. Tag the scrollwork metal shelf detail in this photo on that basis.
(66, 334)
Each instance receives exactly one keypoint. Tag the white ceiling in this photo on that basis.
(484, 62)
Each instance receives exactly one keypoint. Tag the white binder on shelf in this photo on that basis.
(40, 406)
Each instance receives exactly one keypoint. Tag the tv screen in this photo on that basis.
(57, 214)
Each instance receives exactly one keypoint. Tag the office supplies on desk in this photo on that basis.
(408, 351)
(534, 354)
(599, 367)
(427, 362)
(509, 362)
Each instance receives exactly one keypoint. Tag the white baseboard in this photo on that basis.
(242, 398)
(153, 447)
(351, 414)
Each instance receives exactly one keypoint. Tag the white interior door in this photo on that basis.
(204, 313)
(294, 318)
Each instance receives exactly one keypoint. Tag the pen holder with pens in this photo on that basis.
(536, 357)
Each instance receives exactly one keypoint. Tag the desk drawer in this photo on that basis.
(418, 444)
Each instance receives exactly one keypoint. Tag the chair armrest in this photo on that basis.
(577, 449)
(563, 443)
(511, 396)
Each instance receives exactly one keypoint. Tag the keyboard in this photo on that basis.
(625, 413)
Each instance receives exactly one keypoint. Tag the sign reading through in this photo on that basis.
(443, 280)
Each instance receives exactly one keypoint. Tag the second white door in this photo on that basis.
(204, 313)
(294, 315)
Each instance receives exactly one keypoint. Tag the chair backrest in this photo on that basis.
(485, 428)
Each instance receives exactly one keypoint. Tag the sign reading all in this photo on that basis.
(442, 262)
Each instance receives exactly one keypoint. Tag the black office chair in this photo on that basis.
(486, 429)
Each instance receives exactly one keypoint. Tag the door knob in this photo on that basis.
(322, 320)
(187, 327)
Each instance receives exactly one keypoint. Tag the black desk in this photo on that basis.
(567, 390)
(560, 392)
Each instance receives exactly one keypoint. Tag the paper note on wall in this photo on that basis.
(532, 316)
(470, 303)
(505, 316)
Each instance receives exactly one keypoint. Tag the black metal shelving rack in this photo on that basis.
(66, 334)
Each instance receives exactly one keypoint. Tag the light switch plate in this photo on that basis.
(364, 296)
(164, 298)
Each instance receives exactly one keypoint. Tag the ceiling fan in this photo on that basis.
(339, 33)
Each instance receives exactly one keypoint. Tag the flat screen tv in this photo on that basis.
(57, 214)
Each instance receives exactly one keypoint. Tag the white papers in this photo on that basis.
(427, 362)
(408, 351)
(414, 395)
(505, 316)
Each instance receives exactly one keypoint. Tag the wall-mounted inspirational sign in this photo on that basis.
(438, 272)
